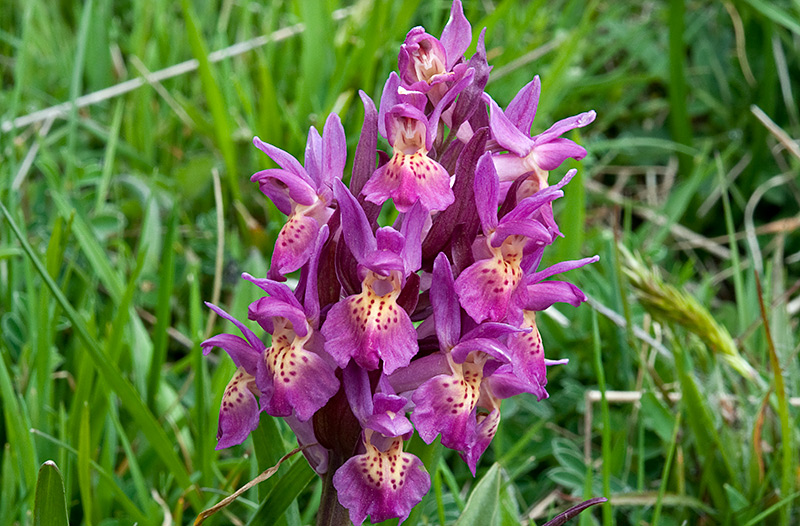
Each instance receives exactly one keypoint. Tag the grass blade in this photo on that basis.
(50, 508)
(148, 424)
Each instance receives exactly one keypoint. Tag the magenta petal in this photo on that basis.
(558, 268)
(565, 125)
(299, 189)
(367, 328)
(383, 485)
(408, 179)
(487, 188)
(240, 351)
(265, 310)
(316, 455)
(485, 288)
(413, 223)
(294, 378)
(294, 246)
(251, 337)
(530, 228)
(334, 149)
(492, 347)
(506, 134)
(389, 416)
(238, 416)
(549, 155)
(528, 354)
(457, 35)
(446, 311)
(539, 296)
(312, 290)
(445, 405)
(388, 100)
(355, 227)
(522, 110)
(484, 433)
(275, 289)
(312, 160)
(283, 159)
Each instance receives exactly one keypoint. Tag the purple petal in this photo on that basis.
(549, 155)
(367, 328)
(364, 160)
(334, 149)
(408, 179)
(532, 229)
(313, 156)
(484, 433)
(509, 167)
(418, 372)
(487, 189)
(383, 485)
(264, 310)
(388, 100)
(492, 347)
(413, 222)
(358, 391)
(506, 134)
(312, 290)
(446, 311)
(450, 96)
(294, 245)
(445, 405)
(529, 205)
(293, 378)
(238, 416)
(241, 352)
(522, 110)
(558, 268)
(528, 354)
(457, 35)
(254, 341)
(504, 383)
(485, 288)
(539, 296)
(355, 227)
(283, 159)
(565, 125)
(275, 289)
(389, 416)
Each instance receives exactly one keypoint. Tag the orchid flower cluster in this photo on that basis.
(426, 324)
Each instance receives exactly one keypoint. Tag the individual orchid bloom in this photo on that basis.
(487, 287)
(370, 326)
(383, 482)
(382, 411)
(303, 194)
(293, 378)
(411, 175)
(426, 63)
(238, 416)
(448, 402)
(536, 155)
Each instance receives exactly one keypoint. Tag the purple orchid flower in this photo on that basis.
(426, 63)
(303, 194)
(293, 375)
(371, 326)
(410, 175)
(448, 403)
(538, 154)
(238, 416)
(487, 287)
(383, 482)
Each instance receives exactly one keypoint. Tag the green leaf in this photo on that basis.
(274, 505)
(481, 508)
(50, 505)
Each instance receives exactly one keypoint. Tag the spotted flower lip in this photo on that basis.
(302, 193)
(383, 483)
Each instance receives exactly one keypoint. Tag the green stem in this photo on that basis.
(331, 513)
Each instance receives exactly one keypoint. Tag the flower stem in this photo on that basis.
(331, 513)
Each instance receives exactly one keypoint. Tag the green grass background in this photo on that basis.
(114, 231)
